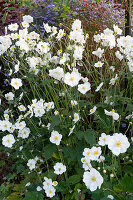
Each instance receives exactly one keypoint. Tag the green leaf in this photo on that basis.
(19, 187)
(80, 135)
(49, 150)
(126, 184)
(14, 196)
(74, 179)
(4, 17)
(55, 121)
(11, 8)
(20, 168)
(90, 137)
(67, 2)
(33, 196)
(2, 163)
(58, 2)
(28, 4)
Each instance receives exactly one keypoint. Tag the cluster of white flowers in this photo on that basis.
(124, 45)
(49, 187)
(38, 108)
(63, 67)
(117, 143)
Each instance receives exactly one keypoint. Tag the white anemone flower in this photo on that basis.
(71, 130)
(13, 27)
(76, 117)
(16, 83)
(9, 96)
(112, 113)
(92, 179)
(57, 73)
(72, 79)
(47, 183)
(59, 168)
(98, 52)
(74, 103)
(83, 88)
(95, 153)
(8, 140)
(22, 108)
(27, 18)
(93, 110)
(50, 192)
(24, 133)
(25, 24)
(113, 80)
(31, 164)
(117, 30)
(60, 34)
(55, 137)
(99, 87)
(103, 140)
(98, 64)
(118, 143)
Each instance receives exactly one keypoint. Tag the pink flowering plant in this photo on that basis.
(66, 117)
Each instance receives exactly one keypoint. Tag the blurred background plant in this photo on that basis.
(11, 11)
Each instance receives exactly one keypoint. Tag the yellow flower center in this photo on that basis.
(118, 143)
(104, 139)
(55, 137)
(5, 125)
(54, 183)
(31, 164)
(20, 125)
(72, 79)
(83, 87)
(50, 191)
(93, 178)
(96, 152)
(8, 140)
(59, 169)
(88, 153)
(16, 83)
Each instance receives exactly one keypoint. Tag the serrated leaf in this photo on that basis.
(74, 179)
(48, 151)
(20, 168)
(33, 196)
(90, 137)
(126, 184)
(55, 122)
